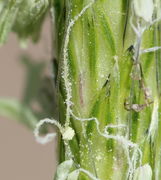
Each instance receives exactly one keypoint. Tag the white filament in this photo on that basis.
(49, 137)
(67, 132)
(114, 126)
(105, 134)
(122, 140)
(65, 61)
(153, 49)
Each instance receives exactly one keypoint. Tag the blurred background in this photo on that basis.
(21, 157)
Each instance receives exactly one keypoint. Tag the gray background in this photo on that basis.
(21, 158)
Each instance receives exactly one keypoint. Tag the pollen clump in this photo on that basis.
(68, 133)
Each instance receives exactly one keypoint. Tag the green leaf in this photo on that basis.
(15, 110)
(30, 18)
(33, 80)
(25, 17)
(39, 89)
(8, 13)
(63, 170)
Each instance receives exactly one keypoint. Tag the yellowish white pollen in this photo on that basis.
(68, 134)
(98, 158)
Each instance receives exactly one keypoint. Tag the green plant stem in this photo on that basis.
(109, 84)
